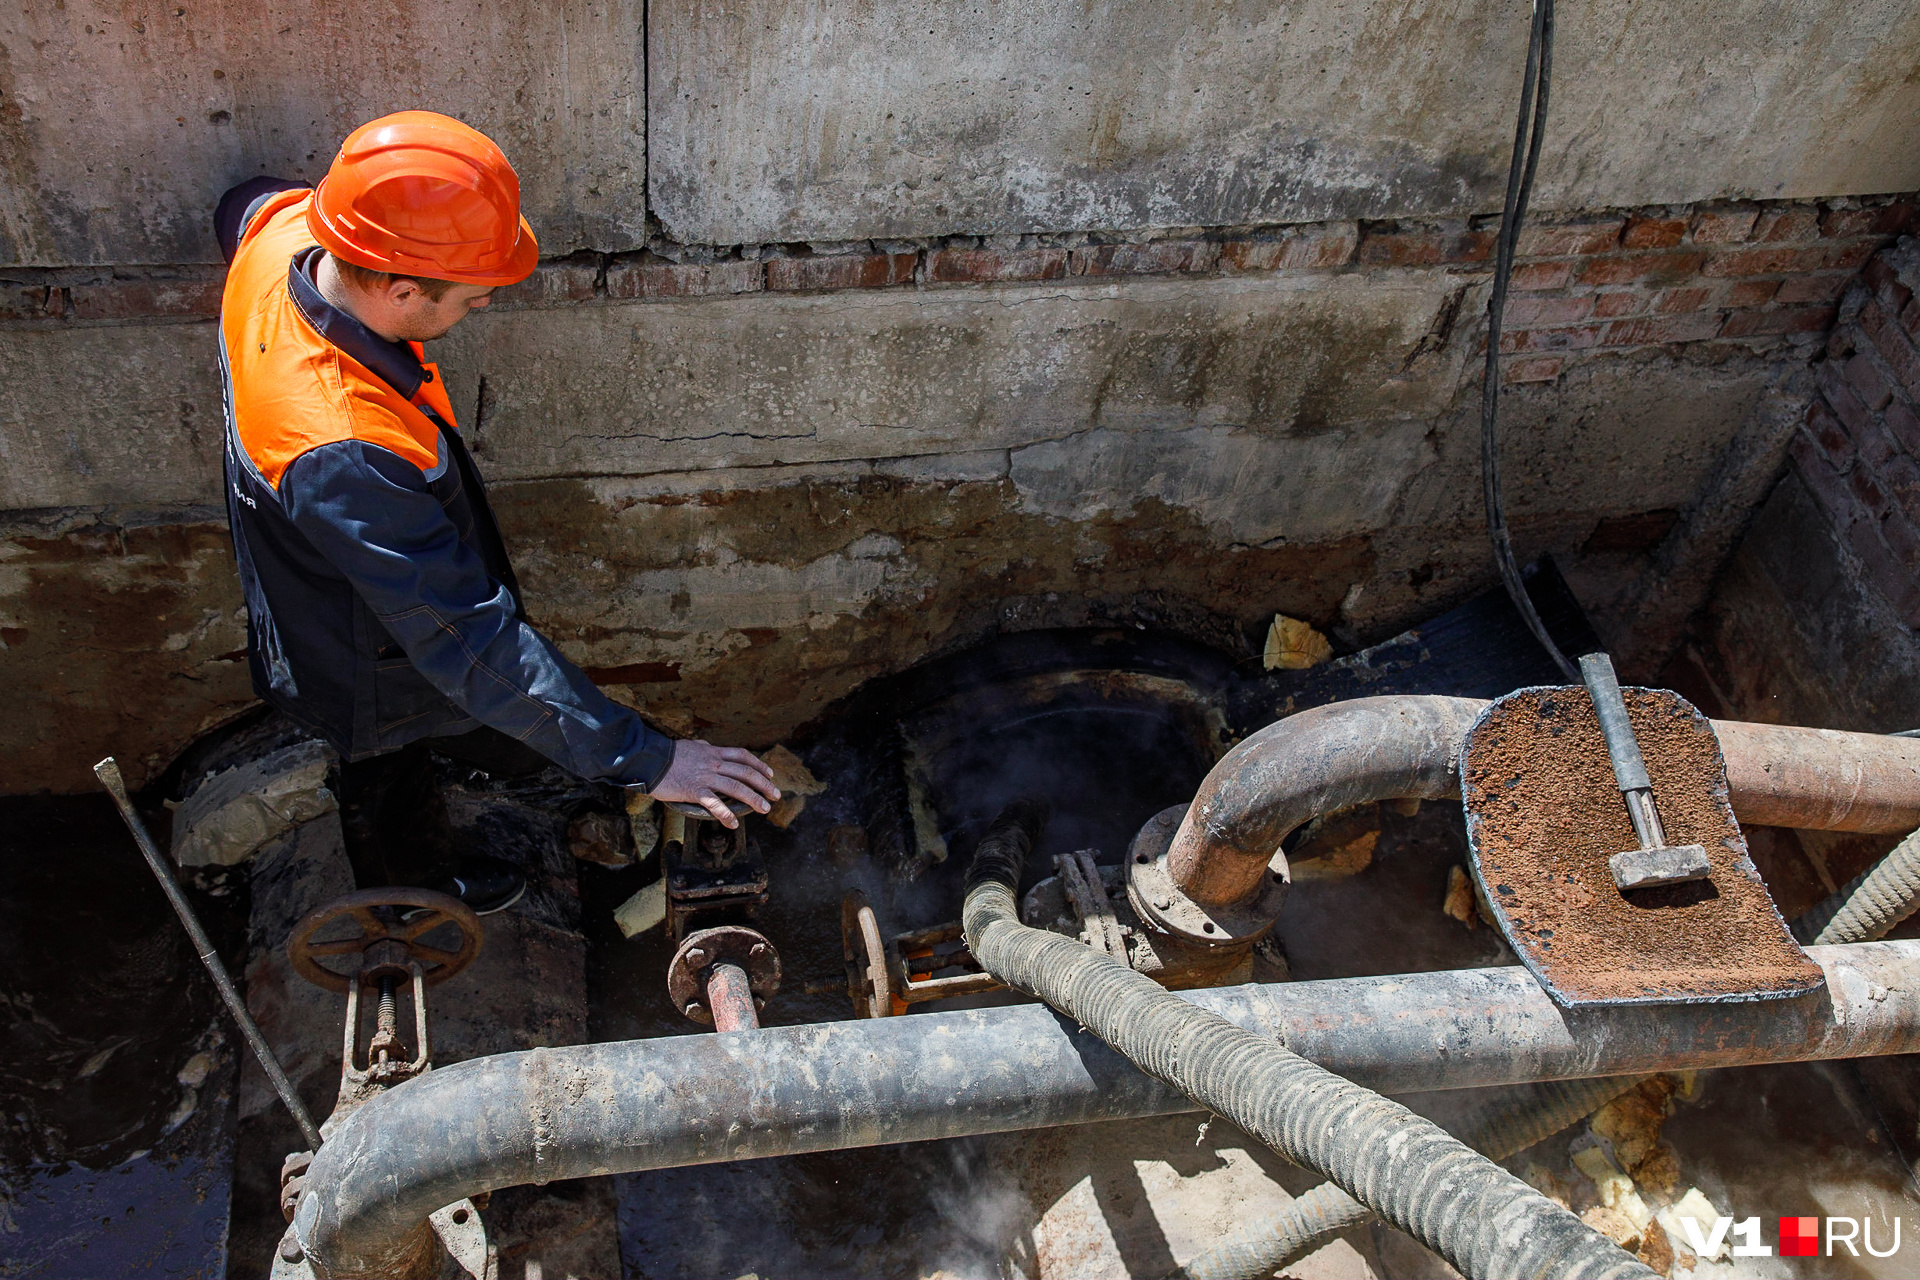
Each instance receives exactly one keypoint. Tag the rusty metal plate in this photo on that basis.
(1544, 815)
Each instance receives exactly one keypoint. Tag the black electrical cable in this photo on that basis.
(1527, 137)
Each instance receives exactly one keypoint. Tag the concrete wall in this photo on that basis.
(897, 340)
(845, 119)
(792, 120)
(733, 502)
(121, 123)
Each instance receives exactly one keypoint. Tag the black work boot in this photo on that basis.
(485, 884)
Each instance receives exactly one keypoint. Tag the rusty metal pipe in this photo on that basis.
(1821, 779)
(589, 1110)
(1316, 762)
(730, 999)
(1336, 756)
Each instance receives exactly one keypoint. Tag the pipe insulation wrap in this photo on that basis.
(1481, 1218)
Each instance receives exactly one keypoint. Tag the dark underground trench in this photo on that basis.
(131, 1150)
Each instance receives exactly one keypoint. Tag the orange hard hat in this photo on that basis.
(417, 193)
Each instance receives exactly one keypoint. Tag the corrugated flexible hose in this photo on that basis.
(1868, 906)
(1478, 1216)
(1866, 909)
(1519, 1118)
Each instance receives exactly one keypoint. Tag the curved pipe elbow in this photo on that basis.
(1318, 761)
(1389, 748)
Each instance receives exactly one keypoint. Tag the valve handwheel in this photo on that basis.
(866, 957)
(394, 921)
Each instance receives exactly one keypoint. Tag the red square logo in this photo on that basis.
(1799, 1237)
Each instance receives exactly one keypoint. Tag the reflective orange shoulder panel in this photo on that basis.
(293, 391)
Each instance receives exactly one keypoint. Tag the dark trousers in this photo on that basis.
(394, 817)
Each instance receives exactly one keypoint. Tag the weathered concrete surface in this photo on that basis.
(866, 374)
(733, 511)
(783, 120)
(738, 598)
(117, 635)
(99, 416)
(120, 125)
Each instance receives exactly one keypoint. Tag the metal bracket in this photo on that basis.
(464, 1236)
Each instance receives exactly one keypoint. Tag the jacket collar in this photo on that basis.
(394, 363)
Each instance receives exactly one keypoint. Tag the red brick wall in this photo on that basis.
(1859, 453)
(1755, 273)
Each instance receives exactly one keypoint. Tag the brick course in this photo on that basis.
(991, 266)
(1858, 453)
(1754, 273)
(842, 271)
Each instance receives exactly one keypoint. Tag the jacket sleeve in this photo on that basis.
(237, 206)
(370, 513)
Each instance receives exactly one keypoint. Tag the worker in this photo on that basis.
(382, 610)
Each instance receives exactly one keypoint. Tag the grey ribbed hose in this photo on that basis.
(1866, 909)
(1868, 906)
(1479, 1217)
(1518, 1119)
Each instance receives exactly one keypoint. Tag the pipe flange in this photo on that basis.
(1162, 904)
(692, 966)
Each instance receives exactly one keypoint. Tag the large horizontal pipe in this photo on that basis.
(1821, 779)
(1336, 756)
(648, 1104)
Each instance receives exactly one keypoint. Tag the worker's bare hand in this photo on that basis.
(708, 776)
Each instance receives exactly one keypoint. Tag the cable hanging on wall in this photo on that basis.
(1527, 136)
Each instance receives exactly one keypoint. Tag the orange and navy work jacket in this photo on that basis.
(381, 606)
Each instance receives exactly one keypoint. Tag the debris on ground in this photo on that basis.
(1695, 1208)
(1616, 1190)
(233, 813)
(1622, 1215)
(796, 783)
(643, 910)
(601, 838)
(1631, 1125)
(929, 845)
(643, 824)
(1548, 1184)
(1293, 645)
(1459, 902)
(1336, 846)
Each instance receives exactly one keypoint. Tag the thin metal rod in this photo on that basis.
(108, 771)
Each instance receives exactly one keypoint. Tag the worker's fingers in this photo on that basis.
(714, 805)
(760, 782)
(741, 790)
(740, 755)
